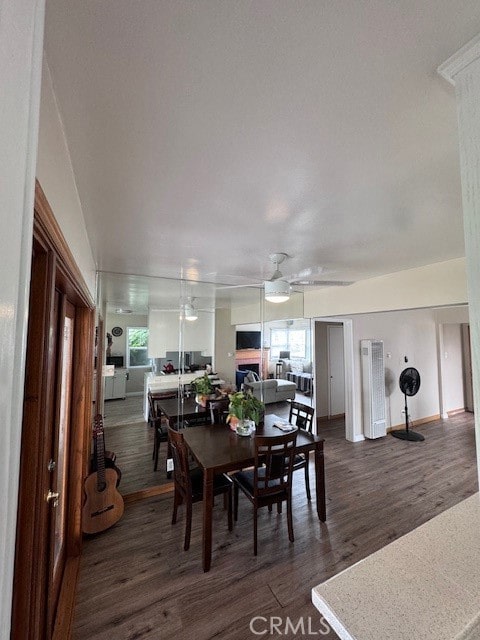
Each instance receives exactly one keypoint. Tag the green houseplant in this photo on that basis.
(203, 388)
(244, 411)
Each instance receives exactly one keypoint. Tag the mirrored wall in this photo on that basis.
(162, 334)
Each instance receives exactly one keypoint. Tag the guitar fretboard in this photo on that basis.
(99, 451)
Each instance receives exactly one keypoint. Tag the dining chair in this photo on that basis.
(219, 410)
(160, 433)
(301, 415)
(188, 484)
(270, 480)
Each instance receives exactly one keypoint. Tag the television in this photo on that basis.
(249, 339)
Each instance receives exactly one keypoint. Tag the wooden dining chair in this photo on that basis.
(219, 410)
(188, 484)
(270, 480)
(302, 415)
(155, 419)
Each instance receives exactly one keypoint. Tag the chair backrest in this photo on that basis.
(219, 410)
(274, 457)
(301, 415)
(181, 471)
(152, 407)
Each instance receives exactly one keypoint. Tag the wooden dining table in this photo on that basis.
(178, 409)
(218, 449)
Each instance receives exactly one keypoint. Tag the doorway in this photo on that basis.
(55, 435)
(335, 371)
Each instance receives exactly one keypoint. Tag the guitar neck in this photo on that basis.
(99, 452)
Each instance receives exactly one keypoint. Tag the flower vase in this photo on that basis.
(245, 427)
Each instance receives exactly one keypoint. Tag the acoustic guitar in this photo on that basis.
(103, 503)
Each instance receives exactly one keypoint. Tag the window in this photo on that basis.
(293, 340)
(137, 347)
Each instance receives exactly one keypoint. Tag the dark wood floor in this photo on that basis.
(136, 581)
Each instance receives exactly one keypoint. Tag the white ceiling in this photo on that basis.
(205, 135)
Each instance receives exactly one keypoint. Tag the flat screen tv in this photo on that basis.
(249, 339)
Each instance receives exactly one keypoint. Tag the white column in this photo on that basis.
(21, 41)
(463, 71)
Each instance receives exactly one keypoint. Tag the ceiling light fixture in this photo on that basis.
(277, 290)
(189, 312)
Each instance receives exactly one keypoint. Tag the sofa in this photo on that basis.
(274, 390)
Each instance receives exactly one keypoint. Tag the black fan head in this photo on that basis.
(409, 381)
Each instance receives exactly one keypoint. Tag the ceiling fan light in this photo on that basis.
(277, 291)
(189, 313)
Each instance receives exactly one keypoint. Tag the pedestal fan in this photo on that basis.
(409, 385)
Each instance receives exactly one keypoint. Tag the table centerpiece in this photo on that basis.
(244, 412)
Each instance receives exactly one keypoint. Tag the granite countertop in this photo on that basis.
(423, 586)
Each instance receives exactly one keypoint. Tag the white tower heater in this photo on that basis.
(373, 388)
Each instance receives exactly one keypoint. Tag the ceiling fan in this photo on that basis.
(278, 288)
(187, 309)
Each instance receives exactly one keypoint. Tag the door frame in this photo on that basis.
(353, 423)
(53, 266)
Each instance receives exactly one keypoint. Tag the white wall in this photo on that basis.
(404, 333)
(56, 177)
(166, 330)
(224, 355)
(435, 285)
(21, 38)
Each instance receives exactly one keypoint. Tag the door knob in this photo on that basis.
(52, 496)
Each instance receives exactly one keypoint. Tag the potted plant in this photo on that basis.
(203, 389)
(244, 412)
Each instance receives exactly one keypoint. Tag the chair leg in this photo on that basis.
(290, 519)
(235, 503)
(229, 507)
(255, 531)
(270, 508)
(188, 526)
(279, 507)
(175, 507)
(157, 447)
(307, 478)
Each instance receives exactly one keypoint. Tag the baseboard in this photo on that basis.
(159, 490)
(66, 600)
(414, 423)
(134, 393)
(359, 437)
(455, 412)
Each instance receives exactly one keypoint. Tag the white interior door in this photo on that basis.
(336, 371)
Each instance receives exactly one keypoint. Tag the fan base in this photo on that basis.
(403, 434)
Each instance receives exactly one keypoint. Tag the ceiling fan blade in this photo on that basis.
(320, 283)
(240, 286)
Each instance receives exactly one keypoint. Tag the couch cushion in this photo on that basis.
(285, 385)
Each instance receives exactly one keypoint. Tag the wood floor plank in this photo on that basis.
(137, 582)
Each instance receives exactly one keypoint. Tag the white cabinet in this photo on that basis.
(116, 385)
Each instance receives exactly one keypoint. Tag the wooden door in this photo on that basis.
(55, 436)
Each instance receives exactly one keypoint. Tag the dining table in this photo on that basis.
(218, 449)
(176, 410)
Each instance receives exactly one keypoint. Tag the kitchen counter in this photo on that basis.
(170, 382)
(423, 586)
